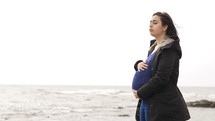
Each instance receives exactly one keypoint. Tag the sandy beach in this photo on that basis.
(70, 103)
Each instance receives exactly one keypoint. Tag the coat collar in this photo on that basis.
(165, 43)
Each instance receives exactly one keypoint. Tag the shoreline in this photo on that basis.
(81, 103)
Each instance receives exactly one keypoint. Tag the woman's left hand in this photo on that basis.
(135, 93)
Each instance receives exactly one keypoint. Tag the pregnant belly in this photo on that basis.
(140, 78)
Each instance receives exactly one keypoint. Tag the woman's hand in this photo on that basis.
(135, 93)
(142, 66)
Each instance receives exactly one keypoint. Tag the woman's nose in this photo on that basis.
(150, 25)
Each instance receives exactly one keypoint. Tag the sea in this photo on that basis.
(81, 103)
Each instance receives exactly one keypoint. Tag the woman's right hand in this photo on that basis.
(142, 66)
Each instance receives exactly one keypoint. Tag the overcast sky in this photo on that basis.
(97, 42)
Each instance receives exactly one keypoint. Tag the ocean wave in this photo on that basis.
(94, 91)
(198, 96)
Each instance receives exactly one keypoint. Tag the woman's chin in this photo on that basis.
(152, 35)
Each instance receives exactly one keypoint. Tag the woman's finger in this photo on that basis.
(143, 66)
(135, 93)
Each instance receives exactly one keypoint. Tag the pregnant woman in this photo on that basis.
(155, 82)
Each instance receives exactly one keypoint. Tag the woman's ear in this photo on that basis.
(165, 27)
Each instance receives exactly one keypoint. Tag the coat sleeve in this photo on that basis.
(161, 78)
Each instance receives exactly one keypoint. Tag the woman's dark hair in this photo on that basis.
(167, 20)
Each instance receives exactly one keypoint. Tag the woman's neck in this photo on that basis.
(160, 38)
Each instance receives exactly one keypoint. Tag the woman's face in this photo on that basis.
(156, 29)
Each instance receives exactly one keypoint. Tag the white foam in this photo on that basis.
(93, 91)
